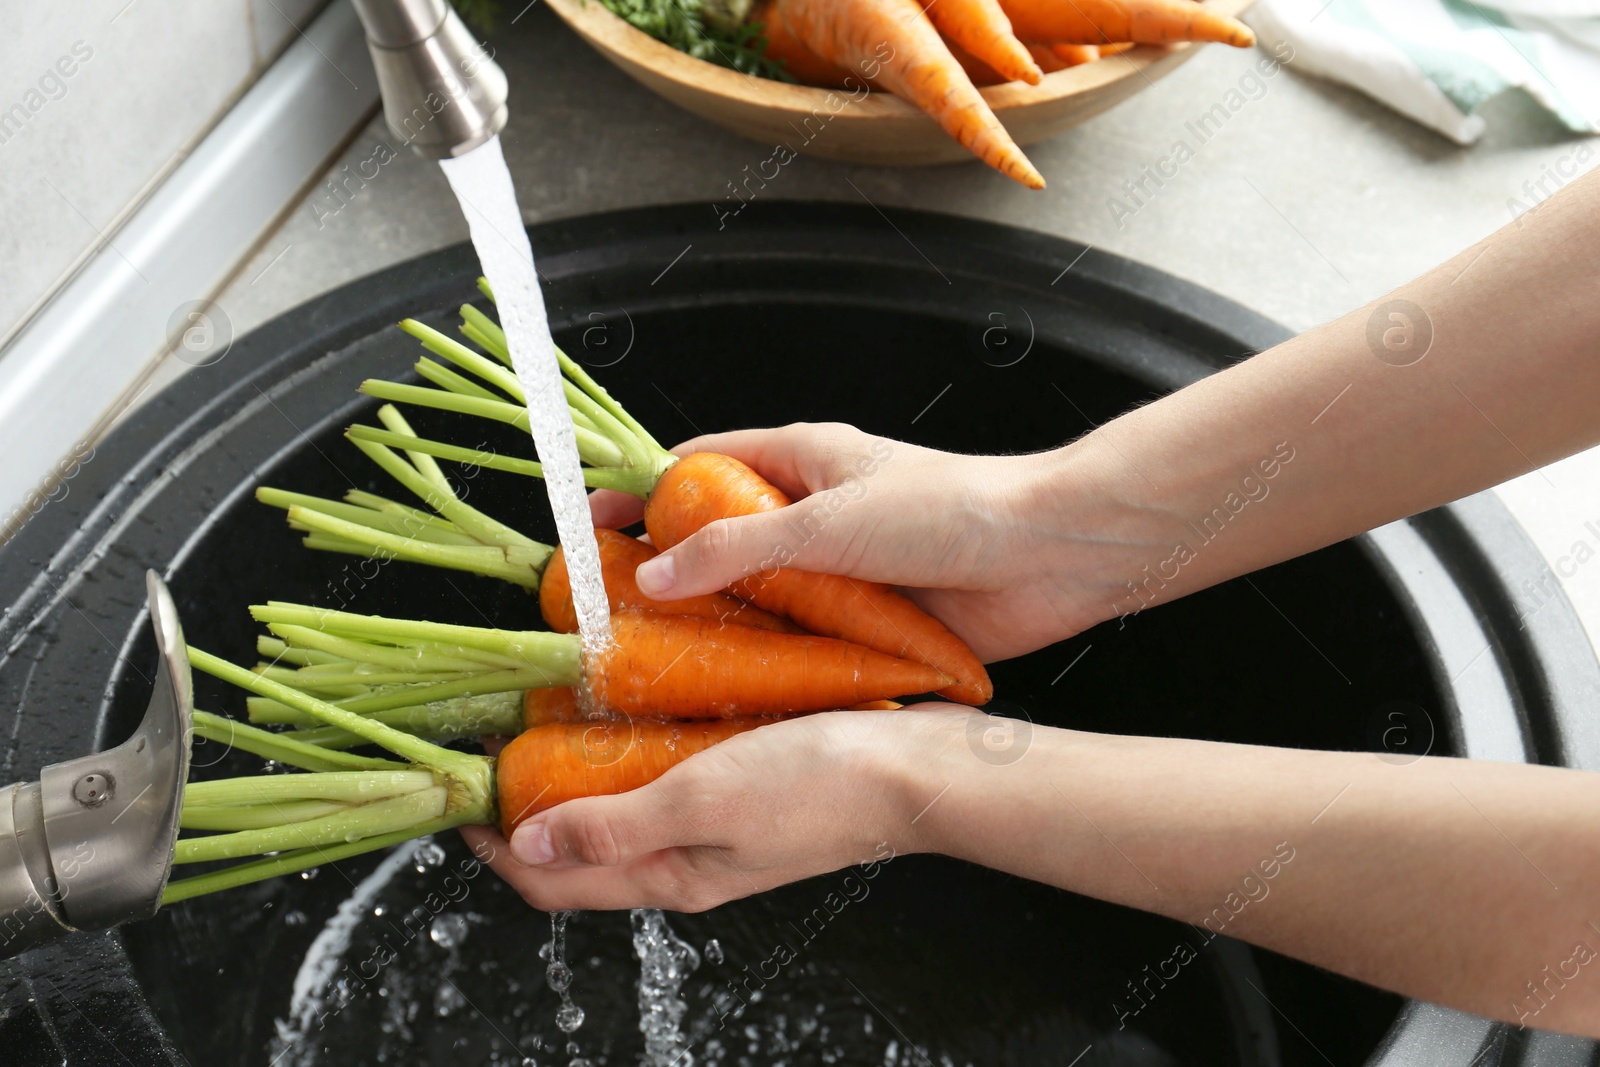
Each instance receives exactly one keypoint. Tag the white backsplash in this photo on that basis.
(98, 100)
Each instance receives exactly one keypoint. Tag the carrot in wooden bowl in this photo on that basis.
(1109, 21)
(981, 27)
(894, 43)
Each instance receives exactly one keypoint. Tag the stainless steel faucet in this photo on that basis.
(89, 845)
(442, 94)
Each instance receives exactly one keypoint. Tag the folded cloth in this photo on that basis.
(1437, 61)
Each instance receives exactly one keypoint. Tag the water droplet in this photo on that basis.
(378, 911)
(448, 931)
(714, 951)
(294, 918)
(308, 875)
(447, 999)
(428, 854)
(568, 1018)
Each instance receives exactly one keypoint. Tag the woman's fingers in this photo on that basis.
(606, 831)
(675, 879)
(807, 535)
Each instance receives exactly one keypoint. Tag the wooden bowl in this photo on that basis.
(879, 128)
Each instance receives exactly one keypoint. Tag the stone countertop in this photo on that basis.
(1310, 200)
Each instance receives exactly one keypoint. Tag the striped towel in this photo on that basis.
(1436, 61)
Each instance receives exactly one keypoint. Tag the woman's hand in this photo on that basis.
(1012, 553)
(787, 801)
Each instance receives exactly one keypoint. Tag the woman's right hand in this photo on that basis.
(1010, 552)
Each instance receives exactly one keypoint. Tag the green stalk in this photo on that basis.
(469, 778)
(484, 560)
(351, 824)
(437, 531)
(279, 652)
(493, 341)
(623, 479)
(275, 746)
(357, 675)
(451, 381)
(301, 859)
(498, 375)
(469, 519)
(440, 400)
(366, 652)
(594, 445)
(556, 653)
(584, 395)
(442, 720)
(269, 712)
(347, 787)
(254, 816)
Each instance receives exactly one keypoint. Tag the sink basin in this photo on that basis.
(796, 312)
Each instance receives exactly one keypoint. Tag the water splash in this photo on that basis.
(482, 184)
(665, 962)
(312, 983)
(559, 976)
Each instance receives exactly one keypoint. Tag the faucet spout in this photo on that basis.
(442, 93)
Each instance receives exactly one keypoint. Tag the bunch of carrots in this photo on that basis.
(676, 678)
(935, 53)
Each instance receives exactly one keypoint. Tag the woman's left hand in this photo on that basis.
(780, 803)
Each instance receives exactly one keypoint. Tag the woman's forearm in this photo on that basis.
(1454, 881)
(1478, 371)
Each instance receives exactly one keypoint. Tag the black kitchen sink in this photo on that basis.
(946, 332)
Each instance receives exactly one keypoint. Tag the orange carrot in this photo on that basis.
(893, 43)
(547, 765)
(1139, 21)
(980, 72)
(620, 556)
(1047, 59)
(676, 666)
(1075, 55)
(1115, 49)
(541, 707)
(981, 27)
(706, 486)
(804, 65)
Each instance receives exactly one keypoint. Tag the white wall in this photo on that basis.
(99, 99)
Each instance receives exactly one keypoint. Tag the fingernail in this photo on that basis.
(656, 576)
(531, 844)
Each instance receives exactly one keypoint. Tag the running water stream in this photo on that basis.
(482, 183)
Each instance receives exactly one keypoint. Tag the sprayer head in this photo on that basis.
(442, 94)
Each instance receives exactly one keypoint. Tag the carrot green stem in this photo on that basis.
(353, 677)
(556, 653)
(469, 769)
(594, 446)
(429, 657)
(487, 333)
(442, 720)
(275, 746)
(381, 808)
(622, 479)
(301, 859)
(351, 824)
(279, 651)
(344, 786)
(486, 560)
(254, 816)
(269, 712)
